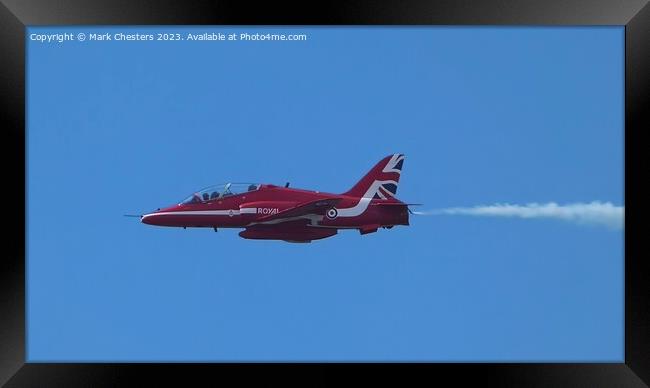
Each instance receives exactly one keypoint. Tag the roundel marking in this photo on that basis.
(332, 213)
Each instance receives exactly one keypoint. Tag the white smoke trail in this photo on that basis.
(594, 213)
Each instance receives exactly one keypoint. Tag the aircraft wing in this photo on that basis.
(319, 206)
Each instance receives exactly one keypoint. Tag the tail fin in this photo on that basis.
(381, 181)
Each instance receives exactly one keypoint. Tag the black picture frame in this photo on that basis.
(15, 15)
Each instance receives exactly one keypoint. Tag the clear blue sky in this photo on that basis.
(484, 115)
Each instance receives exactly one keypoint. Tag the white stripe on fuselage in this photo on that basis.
(363, 203)
(232, 212)
(236, 212)
(355, 210)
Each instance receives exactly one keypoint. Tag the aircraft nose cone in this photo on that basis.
(147, 219)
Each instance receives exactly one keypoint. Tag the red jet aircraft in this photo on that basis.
(270, 212)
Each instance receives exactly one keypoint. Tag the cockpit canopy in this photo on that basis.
(220, 191)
